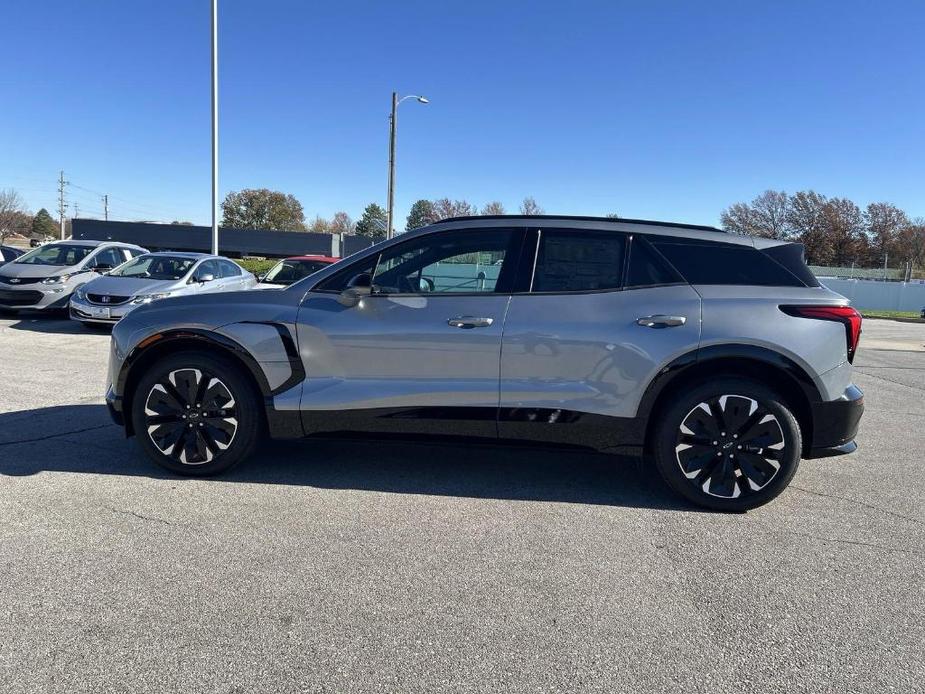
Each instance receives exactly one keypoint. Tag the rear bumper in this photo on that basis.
(835, 424)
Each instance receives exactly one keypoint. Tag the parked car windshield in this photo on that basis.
(55, 254)
(288, 271)
(155, 267)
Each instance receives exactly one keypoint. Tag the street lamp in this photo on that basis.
(390, 231)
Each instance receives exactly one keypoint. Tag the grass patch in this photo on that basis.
(910, 316)
(257, 265)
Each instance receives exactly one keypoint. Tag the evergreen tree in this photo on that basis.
(373, 223)
(421, 214)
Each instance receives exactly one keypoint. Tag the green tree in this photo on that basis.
(421, 214)
(262, 209)
(43, 225)
(373, 222)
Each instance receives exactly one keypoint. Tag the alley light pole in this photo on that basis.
(214, 127)
(390, 230)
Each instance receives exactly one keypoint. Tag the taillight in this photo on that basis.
(846, 315)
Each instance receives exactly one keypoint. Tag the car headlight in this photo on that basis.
(58, 278)
(81, 293)
(148, 298)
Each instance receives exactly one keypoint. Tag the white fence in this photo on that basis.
(884, 296)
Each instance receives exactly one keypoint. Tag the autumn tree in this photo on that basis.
(884, 224)
(320, 225)
(262, 209)
(806, 217)
(843, 227)
(493, 208)
(420, 215)
(373, 223)
(765, 216)
(341, 223)
(530, 207)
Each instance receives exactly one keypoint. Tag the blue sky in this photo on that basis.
(665, 110)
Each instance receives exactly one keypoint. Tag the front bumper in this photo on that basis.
(114, 405)
(34, 296)
(82, 310)
(835, 424)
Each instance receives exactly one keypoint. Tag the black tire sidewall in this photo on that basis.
(247, 405)
(666, 432)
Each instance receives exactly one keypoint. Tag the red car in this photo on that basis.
(290, 270)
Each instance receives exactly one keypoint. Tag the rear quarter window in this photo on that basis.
(717, 263)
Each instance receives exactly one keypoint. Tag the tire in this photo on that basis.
(729, 445)
(202, 393)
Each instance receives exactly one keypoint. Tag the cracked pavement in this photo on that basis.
(337, 566)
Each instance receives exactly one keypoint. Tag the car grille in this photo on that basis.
(20, 280)
(107, 299)
(19, 298)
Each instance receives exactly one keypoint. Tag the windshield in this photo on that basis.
(154, 267)
(289, 271)
(55, 254)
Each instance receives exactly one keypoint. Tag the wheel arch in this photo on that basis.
(163, 344)
(772, 369)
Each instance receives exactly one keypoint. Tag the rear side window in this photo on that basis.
(716, 263)
(646, 268)
(578, 261)
(791, 257)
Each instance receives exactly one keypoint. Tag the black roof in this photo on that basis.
(580, 218)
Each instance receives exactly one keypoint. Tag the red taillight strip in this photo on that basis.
(846, 315)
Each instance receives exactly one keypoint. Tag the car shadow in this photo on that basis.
(82, 439)
(56, 323)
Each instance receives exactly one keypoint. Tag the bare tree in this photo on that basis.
(341, 223)
(493, 207)
(320, 225)
(807, 221)
(13, 216)
(445, 208)
(765, 216)
(530, 207)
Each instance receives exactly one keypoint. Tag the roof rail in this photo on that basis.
(582, 218)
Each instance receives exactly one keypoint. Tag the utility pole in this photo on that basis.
(214, 127)
(61, 206)
(106, 208)
(76, 210)
(392, 124)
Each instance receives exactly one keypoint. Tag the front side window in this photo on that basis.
(208, 267)
(58, 254)
(464, 261)
(154, 267)
(110, 257)
(578, 260)
(286, 272)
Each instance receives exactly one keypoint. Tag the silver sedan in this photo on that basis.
(154, 276)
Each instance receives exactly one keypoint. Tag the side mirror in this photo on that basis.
(357, 288)
(208, 277)
(260, 276)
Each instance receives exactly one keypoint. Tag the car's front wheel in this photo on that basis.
(196, 413)
(728, 445)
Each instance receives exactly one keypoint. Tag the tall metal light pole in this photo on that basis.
(215, 127)
(390, 230)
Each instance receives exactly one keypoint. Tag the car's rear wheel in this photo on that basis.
(728, 445)
(196, 413)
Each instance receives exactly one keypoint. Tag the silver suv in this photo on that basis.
(45, 277)
(718, 355)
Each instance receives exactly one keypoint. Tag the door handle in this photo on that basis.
(660, 321)
(469, 322)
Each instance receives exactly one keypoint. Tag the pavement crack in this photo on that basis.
(889, 380)
(857, 543)
(857, 502)
(138, 515)
(54, 435)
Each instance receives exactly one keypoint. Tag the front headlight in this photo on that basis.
(58, 278)
(81, 293)
(148, 298)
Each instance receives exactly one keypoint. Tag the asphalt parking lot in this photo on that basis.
(335, 566)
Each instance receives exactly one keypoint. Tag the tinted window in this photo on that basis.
(791, 257)
(338, 281)
(646, 269)
(575, 261)
(108, 256)
(289, 271)
(715, 263)
(229, 269)
(208, 267)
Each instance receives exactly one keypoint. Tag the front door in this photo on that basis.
(421, 353)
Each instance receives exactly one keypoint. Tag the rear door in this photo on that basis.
(602, 316)
(421, 353)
